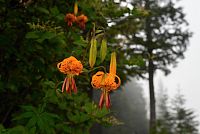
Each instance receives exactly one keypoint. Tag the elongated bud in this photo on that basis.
(93, 52)
(103, 50)
(75, 8)
(113, 63)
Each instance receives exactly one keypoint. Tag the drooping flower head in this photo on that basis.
(76, 8)
(70, 66)
(70, 18)
(106, 82)
(81, 20)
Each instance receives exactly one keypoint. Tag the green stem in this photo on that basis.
(98, 68)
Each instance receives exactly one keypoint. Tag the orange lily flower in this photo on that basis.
(107, 82)
(70, 18)
(81, 20)
(70, 66)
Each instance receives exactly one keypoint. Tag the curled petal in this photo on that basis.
(118, 82)
(59, 65)
(97, 80)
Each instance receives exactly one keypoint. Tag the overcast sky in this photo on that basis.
(186, 76)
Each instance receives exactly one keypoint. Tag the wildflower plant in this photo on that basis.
(71, 67)
(50, 46)
(71, 18)
(107, 82)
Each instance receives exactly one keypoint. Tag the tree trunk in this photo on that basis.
(148, 30)
(152, 126)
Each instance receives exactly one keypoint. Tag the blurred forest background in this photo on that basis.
(148, 35)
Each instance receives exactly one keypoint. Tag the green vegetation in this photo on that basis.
(34, 37)
(173, 116)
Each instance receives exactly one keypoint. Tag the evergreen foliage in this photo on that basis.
(159, 37)
(34, 37)
(175, 118)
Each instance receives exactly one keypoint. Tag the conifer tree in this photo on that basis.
(184, 119)
(175, 117)
(164, 115)
(160, 37)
